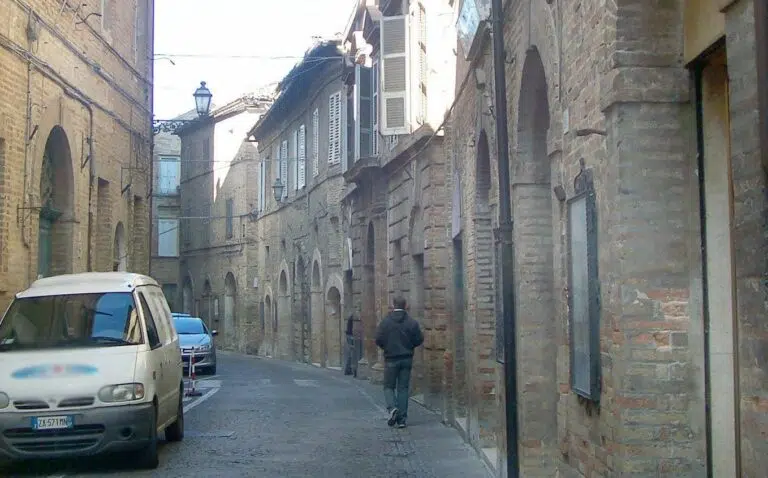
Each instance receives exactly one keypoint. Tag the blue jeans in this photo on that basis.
(397, 378)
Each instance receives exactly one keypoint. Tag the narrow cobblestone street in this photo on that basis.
(268, 418)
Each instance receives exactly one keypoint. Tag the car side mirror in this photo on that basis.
(214, 332)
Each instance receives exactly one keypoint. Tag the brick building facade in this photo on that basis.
(75, 138)
(217, 264)
(301, 287)
(640, 252)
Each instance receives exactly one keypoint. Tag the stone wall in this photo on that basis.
(300, 238)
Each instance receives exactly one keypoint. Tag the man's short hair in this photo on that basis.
(399, 302)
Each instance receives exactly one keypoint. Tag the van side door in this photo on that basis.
(158, 357)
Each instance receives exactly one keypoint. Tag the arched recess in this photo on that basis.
(55, 226)
(318, 313)
(532, 197)
(301, 319)
(368, 312)
(120, 250)
(416, 302)
(270, 324)
(187, 296)
(485, 298)
(333, 331)
(208, 313)
(334, 321)
(283, 314)
(230, 307)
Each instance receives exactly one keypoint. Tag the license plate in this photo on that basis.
(52, 423)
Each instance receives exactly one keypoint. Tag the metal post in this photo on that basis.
(761, 42)
(506, 227)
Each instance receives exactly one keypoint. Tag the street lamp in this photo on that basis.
(202, 105)
(203, 100)
(277, 188)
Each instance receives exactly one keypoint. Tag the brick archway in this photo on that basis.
(56, 203)
(534, 243)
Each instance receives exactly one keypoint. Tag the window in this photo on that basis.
(284, 167)
(315, 142)
(168, 175)
(403, 71)
(153, 336)
(301, 169)
(584, 288)
(334, 128)
(230, 218)
(262, 184)
(206, 152)
(66, 321)
(363, 110)
(168, 237)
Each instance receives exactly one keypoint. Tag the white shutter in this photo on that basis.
(395, 74)
(284, 167)
(295, 159)
(302, 156)
(262, 185)
(418, 64)
(334, 128)
(315, 142)
(168, 237)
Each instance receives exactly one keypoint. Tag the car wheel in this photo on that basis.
(148, 458)
(212, 369)
(175, 431)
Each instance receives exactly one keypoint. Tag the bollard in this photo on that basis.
(193, 391)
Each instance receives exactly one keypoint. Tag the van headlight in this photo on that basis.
(124, 392)
(4, 400)
(203, 348)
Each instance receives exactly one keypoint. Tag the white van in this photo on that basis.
(91, 364)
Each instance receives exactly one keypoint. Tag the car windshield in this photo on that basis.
(187, 326)
(77, 320)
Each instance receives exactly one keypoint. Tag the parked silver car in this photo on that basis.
(196, 343)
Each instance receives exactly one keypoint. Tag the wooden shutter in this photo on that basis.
(284, 166)
(418, 64)
(395, 71)
(334, 128)
(302, 156)
(315, 142)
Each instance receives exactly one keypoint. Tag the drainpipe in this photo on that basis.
(697, 78)
(92, 181)
(151, 75)
(761, 41)
(506, 227)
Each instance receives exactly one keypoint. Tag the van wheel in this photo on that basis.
(212, 370)
(148, 458)
(175, 431)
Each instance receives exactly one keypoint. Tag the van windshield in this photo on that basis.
(78, 320)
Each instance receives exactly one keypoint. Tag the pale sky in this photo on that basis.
(212, 31)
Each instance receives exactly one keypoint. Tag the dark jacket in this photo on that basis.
(398, 334)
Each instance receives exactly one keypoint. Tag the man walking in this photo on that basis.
(397, 335)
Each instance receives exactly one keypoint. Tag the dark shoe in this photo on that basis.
(392, 417)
